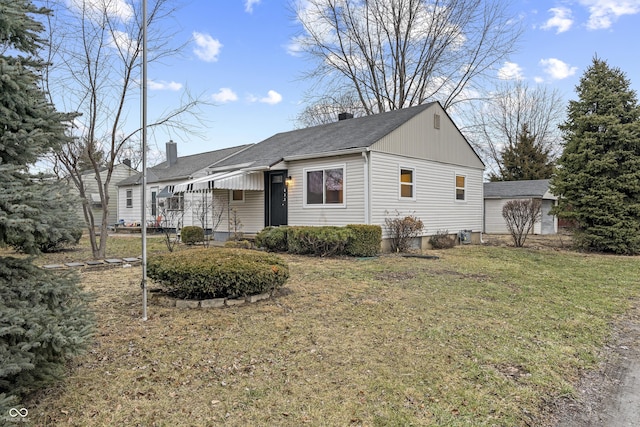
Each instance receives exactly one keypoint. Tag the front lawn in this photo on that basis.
(482, 336)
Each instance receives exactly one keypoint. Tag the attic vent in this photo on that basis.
(436, 121)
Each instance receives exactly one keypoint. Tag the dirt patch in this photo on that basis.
(609, 396)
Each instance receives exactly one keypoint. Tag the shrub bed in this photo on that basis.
(217, 273)
(192, 234)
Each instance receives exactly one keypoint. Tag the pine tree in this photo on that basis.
(598, 177)
(44, 318)
(525, 160)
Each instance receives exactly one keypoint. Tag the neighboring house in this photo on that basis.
(412, 161)
(120, 172)
(497, 194)
(160, 182)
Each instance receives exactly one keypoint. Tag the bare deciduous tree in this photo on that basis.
(95, 49)
(495, 124)
(521, 216)
(394, 54)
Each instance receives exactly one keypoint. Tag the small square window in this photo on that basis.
(237, 195)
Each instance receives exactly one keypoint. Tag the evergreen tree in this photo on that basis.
(598, 176)
(525, 160)
(43, 315)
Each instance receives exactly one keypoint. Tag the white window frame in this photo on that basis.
(456, 188)
(400, 183)
(239, 200)
(128, 195)
(324, 204)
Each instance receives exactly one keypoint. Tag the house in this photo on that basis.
(120, 171)
(412, 161)
(161, 179)
(496, 194)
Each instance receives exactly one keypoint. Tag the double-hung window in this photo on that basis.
(461, 191)
(324, 187)
(407, 183)
(129, 198)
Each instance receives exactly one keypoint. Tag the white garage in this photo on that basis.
(496, 194)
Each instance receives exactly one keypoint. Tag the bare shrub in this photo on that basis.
(402, 231)
(442, 240)
(520, 216)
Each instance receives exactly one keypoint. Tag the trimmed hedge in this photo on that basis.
(353, 240)
(365, 240)
(273, 239)
(192, 234)
(319, 241)
(217, 272)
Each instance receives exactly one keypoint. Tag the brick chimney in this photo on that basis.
(172, 153)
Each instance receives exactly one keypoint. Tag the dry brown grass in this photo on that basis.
(482, 336)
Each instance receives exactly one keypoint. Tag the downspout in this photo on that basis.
(367, 187)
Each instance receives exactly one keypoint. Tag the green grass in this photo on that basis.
(482, 336)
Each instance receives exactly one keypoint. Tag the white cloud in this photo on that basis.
(207, 48)
(557, 69)
(95, 9)
(510, 71)
(163, 85)
(272, 98)
(225, 94)
(561, 20)
(248, 5)
(604, 12)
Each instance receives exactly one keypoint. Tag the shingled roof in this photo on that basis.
(184, 168)
(342, 135)
(516, 189)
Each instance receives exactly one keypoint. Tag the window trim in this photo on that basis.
(128, 196)
(456, 188)
(324, 204)
(413, 182)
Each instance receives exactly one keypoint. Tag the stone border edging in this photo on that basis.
(210, 303)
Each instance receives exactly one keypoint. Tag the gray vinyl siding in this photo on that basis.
(132, 214)
(418, 138)
(351, 213)
(435, 189)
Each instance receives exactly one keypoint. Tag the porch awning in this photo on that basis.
(166, 192)
(236, 180)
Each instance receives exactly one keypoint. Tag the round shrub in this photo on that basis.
(217, 272)
(192, 234)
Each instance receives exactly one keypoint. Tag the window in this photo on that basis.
(154, 202)
(407, 183)
(237, 195)
(129, 198)
(325, 186)
(460, 187)
(175, 203)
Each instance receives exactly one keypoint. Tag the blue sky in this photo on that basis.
(238, 56)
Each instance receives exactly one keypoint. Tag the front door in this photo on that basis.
(276, 198)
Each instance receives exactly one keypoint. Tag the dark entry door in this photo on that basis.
(276, 199)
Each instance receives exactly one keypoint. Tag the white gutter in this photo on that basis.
(325, 154)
